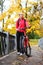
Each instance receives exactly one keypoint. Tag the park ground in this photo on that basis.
(14, 59)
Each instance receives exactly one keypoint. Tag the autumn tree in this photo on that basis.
(1, 5)
(32, 13)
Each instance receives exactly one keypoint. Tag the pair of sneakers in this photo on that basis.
(19, 53)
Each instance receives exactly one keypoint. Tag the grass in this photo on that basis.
(33, 41)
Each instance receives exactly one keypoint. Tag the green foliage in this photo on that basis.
(32, 35)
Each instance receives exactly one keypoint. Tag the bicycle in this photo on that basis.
(26, 45)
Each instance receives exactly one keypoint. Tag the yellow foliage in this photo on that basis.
(5, 29)
(11, 30)
(37, 26)
(28, 30)
(18, 1)
(33, 27)
(34, 3)
(10, 21)
(37, 32)
(16, 8)
(2, 16)
(13, 8)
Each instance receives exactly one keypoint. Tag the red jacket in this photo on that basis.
(21, 25)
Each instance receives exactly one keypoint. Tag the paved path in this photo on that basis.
(14, 59)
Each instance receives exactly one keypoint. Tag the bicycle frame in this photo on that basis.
(27, 46)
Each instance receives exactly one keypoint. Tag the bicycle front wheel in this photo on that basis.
(28, 51)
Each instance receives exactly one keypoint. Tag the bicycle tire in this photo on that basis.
(28, 51)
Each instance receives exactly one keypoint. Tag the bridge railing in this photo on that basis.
(7, 43)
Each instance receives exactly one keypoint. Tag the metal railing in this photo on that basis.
(7, 43)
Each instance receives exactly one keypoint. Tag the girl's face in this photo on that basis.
(21, 16)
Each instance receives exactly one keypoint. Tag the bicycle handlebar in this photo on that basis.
(24, 28)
